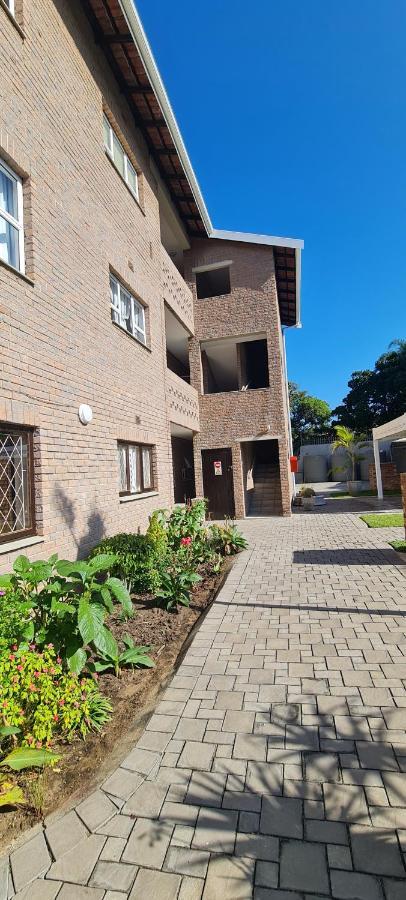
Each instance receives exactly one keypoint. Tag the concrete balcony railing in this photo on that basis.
(176, 292)
(232, 415)
(183, 402)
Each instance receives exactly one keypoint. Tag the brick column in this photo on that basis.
(403, 487)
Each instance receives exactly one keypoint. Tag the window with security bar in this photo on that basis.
(16, 483)
(135, 468)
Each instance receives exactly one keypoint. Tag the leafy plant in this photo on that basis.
(346, 440)
(133, 656)
(307, 492)
(176, 588)
(11, 794)
(68, 603)
(139, 559)
(227, 538)
(14, 619)
(157, 534)
(42, 701)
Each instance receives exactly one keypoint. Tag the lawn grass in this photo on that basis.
(340, 495)
(398, 545)
(383, 520)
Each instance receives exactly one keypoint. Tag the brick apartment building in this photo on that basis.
(142, 357)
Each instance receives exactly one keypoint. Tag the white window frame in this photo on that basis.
(19, 222)
(11, 6)
(127, 161)
(136, 331)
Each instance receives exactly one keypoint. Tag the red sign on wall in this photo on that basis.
(218, 470)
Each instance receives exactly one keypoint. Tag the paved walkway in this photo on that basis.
(275, 765)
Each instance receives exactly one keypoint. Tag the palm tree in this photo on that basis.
(347, 440)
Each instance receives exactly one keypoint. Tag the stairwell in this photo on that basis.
(266, 497)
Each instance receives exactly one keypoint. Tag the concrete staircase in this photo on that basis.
(266, 497)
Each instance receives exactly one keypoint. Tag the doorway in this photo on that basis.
(218, 482)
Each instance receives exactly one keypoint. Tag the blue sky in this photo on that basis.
(294, 117)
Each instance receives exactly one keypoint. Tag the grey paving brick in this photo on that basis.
(250, 746)
(376, 755)
(353, 886)
(281, 816)
(206, 788)
(339, 857)
(345, 803)
(190, 730)
(238, 721)
(156, 741)
(113, 875)
(122, 783)
(118, 826)
(322, 767)
(77, 865)
(96, 810)
(159, 885)
(191, 888)
(326, 832)
(187, 861)
(243, 800)
(216, 830)
(303, 866)
(229, 700)
(196, 756)
(229, 878)
(266, 874)
(264, 778)
(394, 890)
(65, 833)
(257, 846)
(395, 784)
(148, 843)
(78, 892)
(141, 761)
(377, 851)
(29, 861)
(37, 890)
(147, 801)
(113, 849)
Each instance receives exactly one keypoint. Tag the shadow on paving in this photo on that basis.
(350, 556)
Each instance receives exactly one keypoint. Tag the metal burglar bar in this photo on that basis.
(16, 485)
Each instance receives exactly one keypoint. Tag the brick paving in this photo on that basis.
(274, 766)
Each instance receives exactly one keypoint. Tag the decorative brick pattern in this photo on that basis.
(390, 477)
(183, 402)
(176, 292)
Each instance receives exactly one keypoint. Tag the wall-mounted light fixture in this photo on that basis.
(85, 414)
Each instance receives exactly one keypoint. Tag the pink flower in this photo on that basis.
(32, 687)
(50, 646)
(2, 593)
(56, 717)
(11, 657)
(14, 647)
(62, 702)
(59, 660)
(186, 541)
(20, 668)
(37, 674)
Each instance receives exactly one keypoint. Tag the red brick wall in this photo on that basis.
(58, 345)
(251, 307)
(390, 477)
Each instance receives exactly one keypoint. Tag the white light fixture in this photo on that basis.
(85, 414)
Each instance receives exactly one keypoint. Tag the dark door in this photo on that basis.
(218, 482)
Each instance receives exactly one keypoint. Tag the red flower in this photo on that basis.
(11, 657)
(56, 718)
(186, 541)
(20, 668)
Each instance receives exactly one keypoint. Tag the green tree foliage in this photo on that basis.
(378, 395)
(309, 415)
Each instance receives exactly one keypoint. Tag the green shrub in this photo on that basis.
(14, 622)
(176, 588)
(138, 563)
(157, 534)
(43, 701)
(69, 603)
(227, 539)
(186, 521)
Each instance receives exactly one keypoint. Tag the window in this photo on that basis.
(119, 157)
(127, 311)
(135, 468)
(16, 483)
(11, 218)
(10, 4)
(213, 282)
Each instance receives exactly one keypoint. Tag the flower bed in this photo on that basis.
(85, 648)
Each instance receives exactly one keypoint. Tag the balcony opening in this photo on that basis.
(183, 467)
(177, 345)
(213, 282)
(235, 364)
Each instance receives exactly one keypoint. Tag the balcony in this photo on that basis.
(183, 402)
(176, 293)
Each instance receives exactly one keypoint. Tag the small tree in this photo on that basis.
(346, 440)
